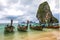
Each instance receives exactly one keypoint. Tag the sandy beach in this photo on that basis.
(36, 35)
(54, 35)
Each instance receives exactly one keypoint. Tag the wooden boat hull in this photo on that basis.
(9, 29)
(53, 27)
(36, 28)
(22, 28)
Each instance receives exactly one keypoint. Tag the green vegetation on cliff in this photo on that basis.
(44, 13)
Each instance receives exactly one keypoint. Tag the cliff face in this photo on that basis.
(44, 13)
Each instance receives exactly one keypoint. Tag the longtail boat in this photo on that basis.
(56, 26)
(53, 27)
(23, 28)
(9, 28)
(36, 27)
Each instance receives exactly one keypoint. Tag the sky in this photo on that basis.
(22, 10)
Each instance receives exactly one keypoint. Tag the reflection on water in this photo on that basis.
(16, 36)
(8, 36)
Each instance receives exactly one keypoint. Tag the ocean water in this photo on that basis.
(20, 35)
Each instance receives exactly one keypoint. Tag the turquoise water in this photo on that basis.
(19, 35)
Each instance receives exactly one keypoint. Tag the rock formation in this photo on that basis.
(44, 13)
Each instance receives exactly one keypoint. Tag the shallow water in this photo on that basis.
(21, 35)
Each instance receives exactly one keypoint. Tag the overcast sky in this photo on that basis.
(22, 10)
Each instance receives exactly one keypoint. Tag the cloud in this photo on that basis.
(3, 2)
(12, 1)
(7, 21)
(22, 10)
(14, 12)
(28, 17)
(10, 17)
(54, 6)
(2, 7)
(26, 2)
(57, 4)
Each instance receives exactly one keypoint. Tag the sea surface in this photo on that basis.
(20, 35)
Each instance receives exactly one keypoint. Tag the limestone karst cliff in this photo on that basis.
(44, 13)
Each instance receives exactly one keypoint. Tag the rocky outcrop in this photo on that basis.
(44, 14)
